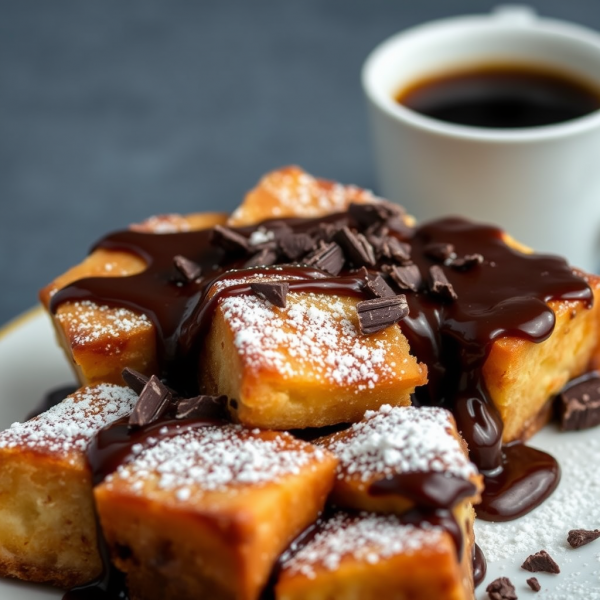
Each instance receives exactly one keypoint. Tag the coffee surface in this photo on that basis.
(502, 96)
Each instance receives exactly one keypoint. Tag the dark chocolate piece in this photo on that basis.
(501, 589)
(375, 212)
(134, 379)
(379, 313)
(407, 277)
(380, 288)
(229, 239)
(328, 257)
(190, 270)
(439, 284)
(264, 258)
(581, 537)
(296, 245)
(202, 407)
(466, 262)
(540, 561)
(356, 247)
(394, 249)
(152, 403)
(579, 404)
(534, 584)
(440, 251)
(273, 291)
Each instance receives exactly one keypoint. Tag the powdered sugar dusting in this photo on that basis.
(216, 458)
(171, 223)
(86, 326)
(401, 440)
(71, 424)
(366, 537)
(312, 337)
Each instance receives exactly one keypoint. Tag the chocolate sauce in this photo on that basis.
(503, 294)
(479, 565)
(50, 399)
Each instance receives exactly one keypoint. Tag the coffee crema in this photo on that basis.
(502, 96)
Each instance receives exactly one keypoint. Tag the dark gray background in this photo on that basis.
(112, 110)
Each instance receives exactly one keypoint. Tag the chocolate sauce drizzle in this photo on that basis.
(502, 293)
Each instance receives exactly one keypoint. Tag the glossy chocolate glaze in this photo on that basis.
(479, 565)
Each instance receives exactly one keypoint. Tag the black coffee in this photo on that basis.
(502, 96)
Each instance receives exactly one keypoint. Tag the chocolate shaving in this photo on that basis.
(356, 247)
(202, 407)
(439, 284)
(273, 291)
(440, 251)
(380, 288)
(328, 257)
(581, 537)
(152, 403)
(464, 263)
(540, 561)
(396, 250)
(534, 584)
(229, 239)
(579, 403)
(374, 212)
(501, 589)
(190, 270)
(265, 258)
(407, 277)
(296, 245)
(134, 379)
(379, 313)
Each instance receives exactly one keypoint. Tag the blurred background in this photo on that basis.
(113, 110)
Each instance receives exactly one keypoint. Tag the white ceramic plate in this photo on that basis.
(31, 363)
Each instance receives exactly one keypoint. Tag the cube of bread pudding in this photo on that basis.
(100, 341)
(48, 531)
(205, 514)
(305, 365)
(372, 557)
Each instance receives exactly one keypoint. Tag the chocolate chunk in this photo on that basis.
(134, 379)
(190, 270)
(407, 277)
(464, 263)
(400, 227)
(374, 212)
(379, 313)
(534, 584)
(273, 291)
(296, 245)
(229, 239)
(328, 257)
(581, 537)
(265, 258)
(540, 561)
(501, 589)
(152, 403)
(326, 231)
(202, 407)
(396, 250)
(439, 284)
(356, 247)
(380, 288)
(440, 251)
(579, 403)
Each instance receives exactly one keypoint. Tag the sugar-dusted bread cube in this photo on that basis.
(400, 458)
(48, 531)
(292, 192)
(371, 557)
(206, 513)
(305, 365)
(100, 341)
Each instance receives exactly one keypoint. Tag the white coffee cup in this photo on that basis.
(541, 184)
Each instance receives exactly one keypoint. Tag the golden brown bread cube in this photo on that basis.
(48, 531)
(100, 341)
(372, 557)
(206, 513)
(305, 365)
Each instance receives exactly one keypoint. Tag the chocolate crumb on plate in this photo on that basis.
(540, 562)
(439, 284)
(202, 407)
(379, 313)
(273, 291)
(190, 270)
(579, 403)
(501, 589)
(152, 403)
(534, 584)
(581, 537)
